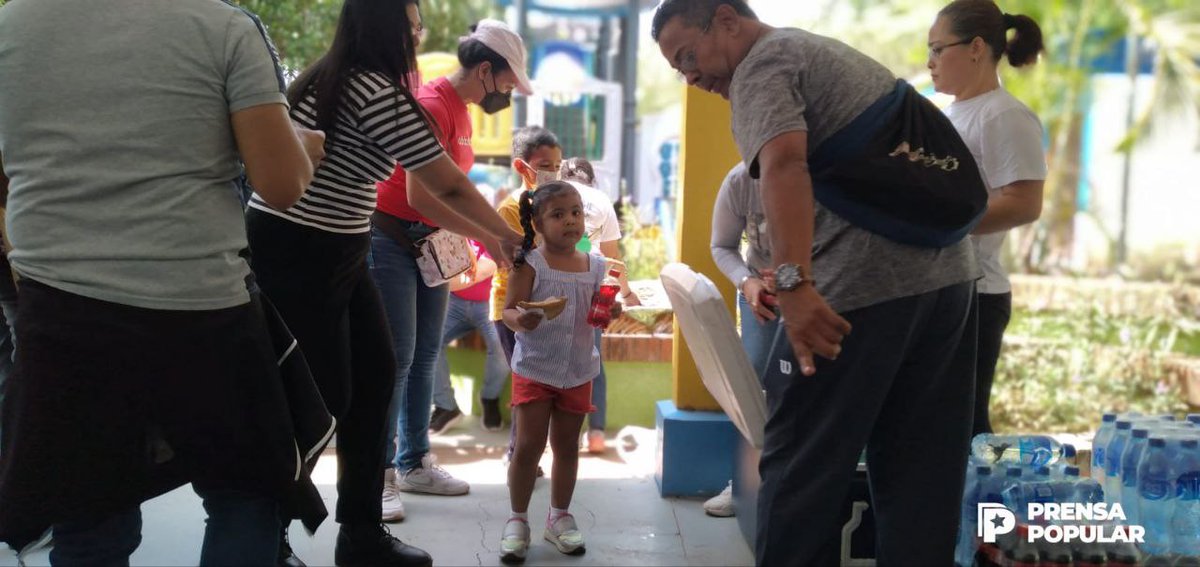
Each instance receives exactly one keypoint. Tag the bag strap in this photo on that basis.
(394, 229)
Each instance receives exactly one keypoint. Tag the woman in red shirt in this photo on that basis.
(492, 60)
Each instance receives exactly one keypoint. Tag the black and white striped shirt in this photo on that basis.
(378, 127)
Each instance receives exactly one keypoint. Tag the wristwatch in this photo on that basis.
(788, 277)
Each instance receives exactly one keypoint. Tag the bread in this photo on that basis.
(551, 308)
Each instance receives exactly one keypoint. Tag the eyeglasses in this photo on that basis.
(936, 52)
(688, 63)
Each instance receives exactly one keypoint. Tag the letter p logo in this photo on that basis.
(993, 520)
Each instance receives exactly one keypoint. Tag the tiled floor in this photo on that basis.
(616, 502)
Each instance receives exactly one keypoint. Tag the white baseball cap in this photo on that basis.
(501, 39)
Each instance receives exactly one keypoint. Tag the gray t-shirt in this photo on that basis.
(793, 80)
(115, 132)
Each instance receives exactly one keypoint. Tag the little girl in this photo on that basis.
(554, 362)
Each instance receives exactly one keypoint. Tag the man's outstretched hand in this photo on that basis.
(812, 326)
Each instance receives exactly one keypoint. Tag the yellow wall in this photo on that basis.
(707, 153)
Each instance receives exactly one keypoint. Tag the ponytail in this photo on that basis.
(1026, 43)
(527, 225)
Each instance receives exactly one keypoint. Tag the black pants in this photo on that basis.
(902, 387)
(995, 310)
(320, 284)
(143, 400)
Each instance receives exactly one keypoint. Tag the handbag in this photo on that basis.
(901, 170)
(440, 256)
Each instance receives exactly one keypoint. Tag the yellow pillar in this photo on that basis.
(707, 153)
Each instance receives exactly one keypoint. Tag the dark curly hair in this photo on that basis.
(531, 207)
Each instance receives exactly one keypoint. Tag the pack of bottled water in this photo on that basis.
(1025, 502)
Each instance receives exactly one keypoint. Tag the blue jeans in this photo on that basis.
(461, 317)
(416, 315)
(596, 419)
(242, 529)
(757, 338)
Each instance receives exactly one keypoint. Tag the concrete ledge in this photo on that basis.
(696, 451)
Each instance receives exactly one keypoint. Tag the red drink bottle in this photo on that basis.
(600, 314)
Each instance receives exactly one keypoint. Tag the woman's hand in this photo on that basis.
(760, 299)
(503, 252)
(631, 299)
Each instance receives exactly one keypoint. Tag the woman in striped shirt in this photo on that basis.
(311, 259)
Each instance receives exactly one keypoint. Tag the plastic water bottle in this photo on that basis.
(1123, 553)
(1185, 520)
(1108, 425)
(1018, 552)
(1088, 554)
(1069, 454)
(1129, 469)
(1088, 491)
(1057, 553)
(1157, 498)
(978, 479)
(600, 313)
(1034, 450)
(1112, 461)
(1012, 478)
(1064, 472)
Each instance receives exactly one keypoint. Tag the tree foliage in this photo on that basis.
(1058, 88)
(303, 29)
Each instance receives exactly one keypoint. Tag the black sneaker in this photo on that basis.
(491, 414)
(287, 558)
(443, 419)
(374, 546)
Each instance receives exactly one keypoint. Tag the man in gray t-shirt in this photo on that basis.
(895, 323)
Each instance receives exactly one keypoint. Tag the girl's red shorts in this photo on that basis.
(572, 400)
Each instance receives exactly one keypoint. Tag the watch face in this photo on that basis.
(787, 277)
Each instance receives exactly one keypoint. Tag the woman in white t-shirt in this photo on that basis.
(966, 44)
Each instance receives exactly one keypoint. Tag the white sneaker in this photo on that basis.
(393, 508)
(721, 505)
(514, 544)
(565, 535)
(429, 478)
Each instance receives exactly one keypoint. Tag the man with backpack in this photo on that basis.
(872, 273)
